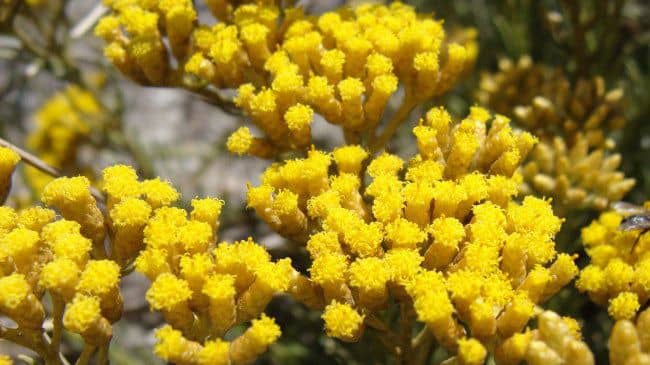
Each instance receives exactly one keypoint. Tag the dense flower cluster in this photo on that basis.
(442, 236)
(618, 275)
(202, 289)
(573, 161)
(454, 246)
(41, 254)
(344, 65)
(61, 123)
(629, 343)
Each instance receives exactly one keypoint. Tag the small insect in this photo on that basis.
(635, 218)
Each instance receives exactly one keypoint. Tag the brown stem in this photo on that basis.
(406, 327)
(42, 166)
(57, 321)
(86, 355)
(422, 345)
(351, 137)
(102, 355)
(34, 340)
(386, 336)
(398, 118)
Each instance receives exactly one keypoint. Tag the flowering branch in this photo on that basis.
(41, 165)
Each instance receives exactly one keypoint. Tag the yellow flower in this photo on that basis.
(119, 182)
(8, 219)
(342, 321)
(258, 337)
(152, 262)
(370, 276)
(471, 352)
(172, 346)
(22, 246)
(616, 276)
(167, 292)
(19, 303)
(35, 218)
(574, 162)
(60, 277)
(623, 306)
(159, 193)
(83, 316)
(71, 196)
(214, 352)
(449, 208)
(100, 278)
(129, 218)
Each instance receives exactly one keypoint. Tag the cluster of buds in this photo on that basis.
(573, 162)
(443, 237)
(629, 343)
(576, 176)
(62, 122)
(542, 100)
(556, 340)
(344, 65)
(618, 275)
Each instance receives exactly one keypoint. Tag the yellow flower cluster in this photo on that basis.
(61, 123)
(40, 254)
(135, 35)
(573, 162)
(556, 340)
(618, 275)
(629, 343)
(203, 289)
(162, 42)
(441, 234)
(344, 65)
(70, 259)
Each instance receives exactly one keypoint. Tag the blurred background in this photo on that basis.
(180, 137)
